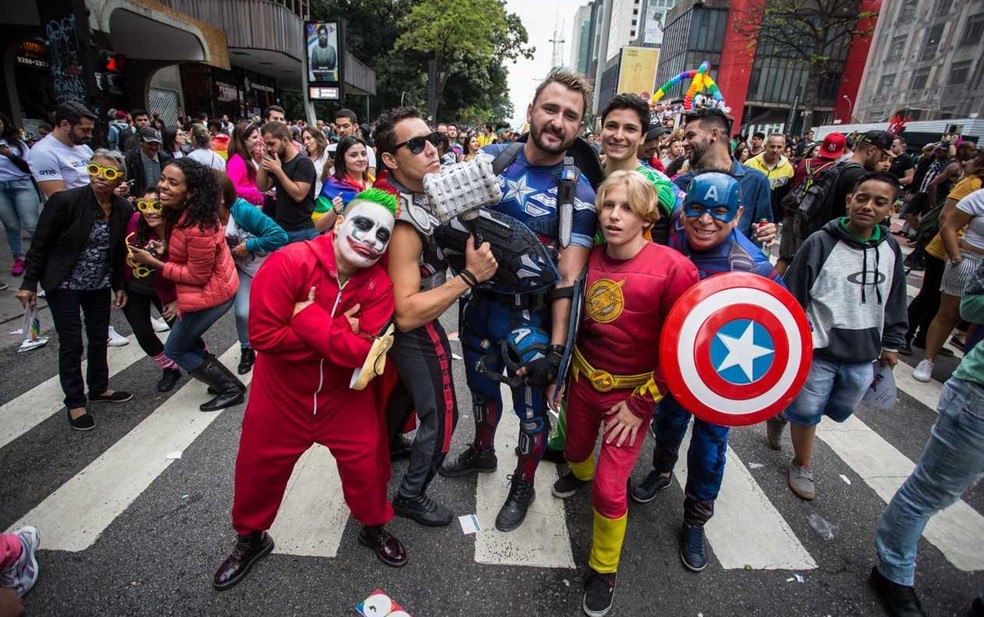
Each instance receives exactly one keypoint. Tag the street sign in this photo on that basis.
(736, 348)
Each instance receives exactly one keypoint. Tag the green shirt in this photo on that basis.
(971, 368)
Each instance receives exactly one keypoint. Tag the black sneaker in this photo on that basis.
(693, 548)
(246, 360)
(567, 485)
(646, 490)
(468, 462)
(599, 593)
(898, 600)
(513, 512)
(423, 510)
(119, 396)
(906, 348)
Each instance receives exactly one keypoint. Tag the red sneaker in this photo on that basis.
(18, 268)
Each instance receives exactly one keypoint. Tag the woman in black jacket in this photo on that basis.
(77, 256)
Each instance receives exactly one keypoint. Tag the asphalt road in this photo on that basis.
(158, 555)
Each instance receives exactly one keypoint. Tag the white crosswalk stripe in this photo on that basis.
(542, 540)
(76, 514)
(41, 402)
(313, 514)
(766, 541)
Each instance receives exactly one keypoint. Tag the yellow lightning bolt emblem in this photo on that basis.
(604, 300)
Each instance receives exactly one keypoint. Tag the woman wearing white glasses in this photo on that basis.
(77, 256)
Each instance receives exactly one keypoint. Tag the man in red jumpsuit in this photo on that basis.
(315, 308)
(615, 379)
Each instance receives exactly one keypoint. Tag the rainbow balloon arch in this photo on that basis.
(699, 80)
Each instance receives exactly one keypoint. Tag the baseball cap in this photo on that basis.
(149, 134)
(880, 139)
(833, 146)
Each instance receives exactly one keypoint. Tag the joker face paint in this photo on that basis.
(364, 233)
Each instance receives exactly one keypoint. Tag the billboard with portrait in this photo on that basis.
(323, 41)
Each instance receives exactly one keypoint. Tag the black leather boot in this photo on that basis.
(388, 549)
(513, 512)
(249, 549)
(223, 381)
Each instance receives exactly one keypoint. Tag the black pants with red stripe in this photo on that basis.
(423, 361)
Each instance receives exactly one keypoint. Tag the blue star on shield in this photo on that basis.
(742, 351)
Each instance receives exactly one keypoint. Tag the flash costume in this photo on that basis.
(616, 359)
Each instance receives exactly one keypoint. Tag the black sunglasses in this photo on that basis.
(416, 145)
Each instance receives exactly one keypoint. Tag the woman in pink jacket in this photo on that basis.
(200, 264)
(240, 167)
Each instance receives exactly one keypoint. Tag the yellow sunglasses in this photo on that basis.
(110, 173)
(150, 206)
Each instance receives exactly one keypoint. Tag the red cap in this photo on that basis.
(832, 146)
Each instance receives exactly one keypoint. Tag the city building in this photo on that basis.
(172, 57)
(616, 24)
(764, 88)
(581, 39)
(927, 62)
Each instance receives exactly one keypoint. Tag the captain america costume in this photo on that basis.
(709, 442)
(529, 194)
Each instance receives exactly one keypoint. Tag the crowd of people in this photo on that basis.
(287, 224)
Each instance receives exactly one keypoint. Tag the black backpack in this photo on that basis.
(791, 201)
(816, 203)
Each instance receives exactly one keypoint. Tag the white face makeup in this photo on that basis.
(364, 233)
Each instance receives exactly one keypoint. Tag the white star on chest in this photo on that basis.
(742, 352)
(518, 189)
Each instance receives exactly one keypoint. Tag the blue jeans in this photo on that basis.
(182, 344)
(301, 235)
(952, 462)
(242, 309)
(705, 457)
(19, 209)
(833, 389)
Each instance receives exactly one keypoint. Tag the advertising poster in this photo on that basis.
(637, 72)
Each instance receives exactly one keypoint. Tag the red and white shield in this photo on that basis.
(736, 349)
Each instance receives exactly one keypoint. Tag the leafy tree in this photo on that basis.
(813, 33)
(470, 38)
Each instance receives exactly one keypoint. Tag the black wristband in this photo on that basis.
(469, 278)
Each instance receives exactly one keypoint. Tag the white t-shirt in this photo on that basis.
(208, 158)
(973, 205)
(8, 171)
(53, 160)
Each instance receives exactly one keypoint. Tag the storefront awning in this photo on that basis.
(148, 30)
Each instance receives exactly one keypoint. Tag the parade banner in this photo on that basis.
(637, 70)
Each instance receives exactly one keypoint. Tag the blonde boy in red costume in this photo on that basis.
(615, 378)
(315, 307)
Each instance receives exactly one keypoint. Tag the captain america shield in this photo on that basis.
(736, 349)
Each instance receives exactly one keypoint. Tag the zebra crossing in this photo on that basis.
(313, 515)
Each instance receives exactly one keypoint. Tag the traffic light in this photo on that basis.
(108, 62)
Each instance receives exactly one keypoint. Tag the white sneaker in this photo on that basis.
(115, 339)
(924, 371)
(159, 324)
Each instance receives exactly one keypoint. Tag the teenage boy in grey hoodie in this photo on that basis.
(850, 281)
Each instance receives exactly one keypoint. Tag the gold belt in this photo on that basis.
(603, 381)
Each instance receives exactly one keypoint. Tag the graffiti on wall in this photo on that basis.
(66, 60)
